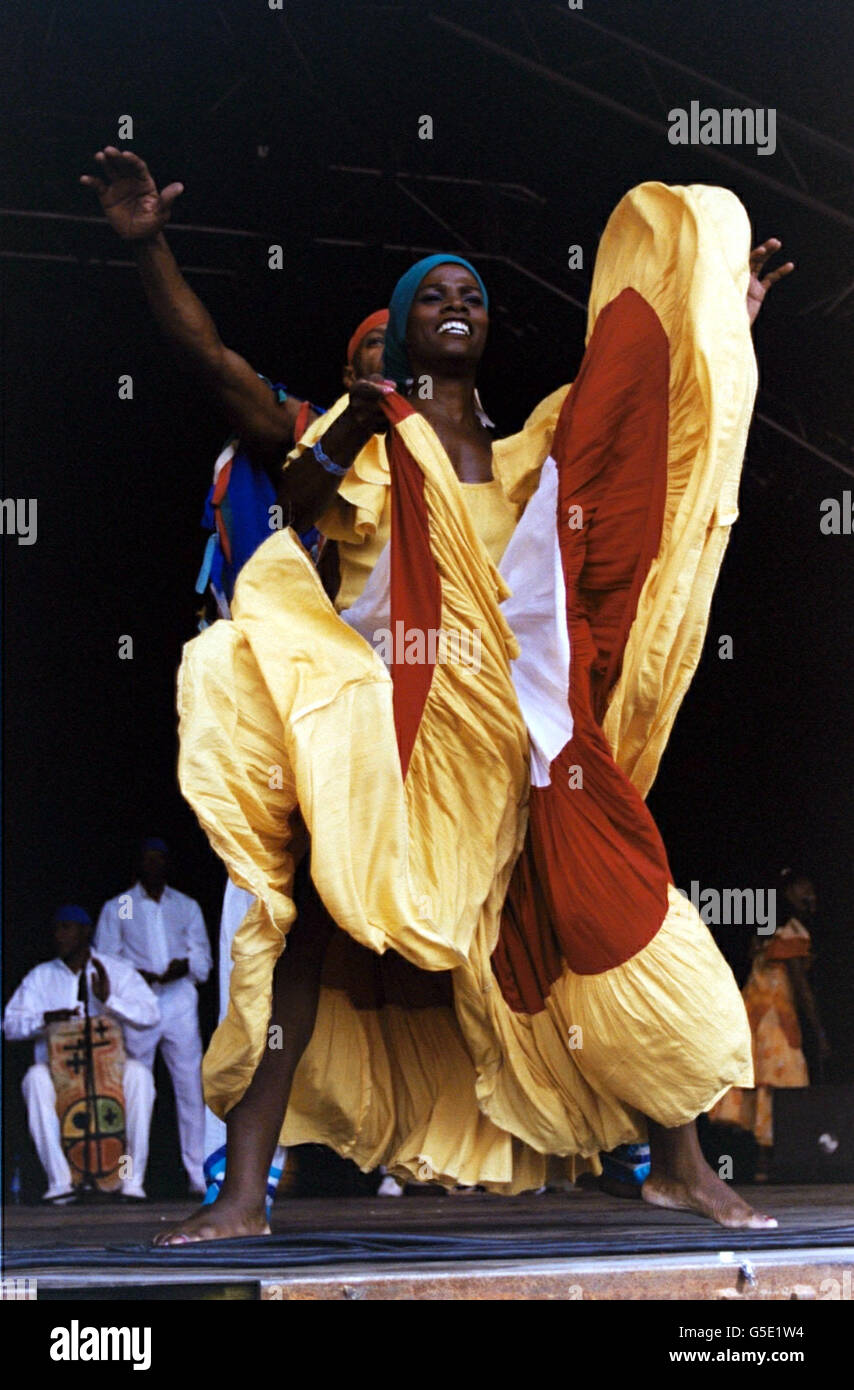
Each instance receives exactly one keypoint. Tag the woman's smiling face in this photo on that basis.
(448, 321)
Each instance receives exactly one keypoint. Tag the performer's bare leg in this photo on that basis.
(681, 1178)
(254, 1124)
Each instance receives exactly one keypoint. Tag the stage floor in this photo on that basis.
(582, 1245)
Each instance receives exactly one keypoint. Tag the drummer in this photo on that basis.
(72, 983)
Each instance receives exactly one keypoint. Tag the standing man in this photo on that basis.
(56, 991)
(162, 933)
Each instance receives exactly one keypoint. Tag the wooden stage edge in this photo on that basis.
(809, 1275)
(815, 1266)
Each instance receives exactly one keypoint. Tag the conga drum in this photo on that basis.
(91, 1108)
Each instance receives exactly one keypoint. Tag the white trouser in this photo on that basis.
(40, 1100)
(178, 1037)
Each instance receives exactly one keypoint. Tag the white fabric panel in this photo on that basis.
(536, 611)
(371, 613)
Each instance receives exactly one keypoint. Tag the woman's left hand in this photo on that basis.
(759, 284)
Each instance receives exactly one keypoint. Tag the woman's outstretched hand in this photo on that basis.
(760, 284)
(366, 395)
(128, 194)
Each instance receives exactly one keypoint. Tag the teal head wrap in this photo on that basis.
(396, 362)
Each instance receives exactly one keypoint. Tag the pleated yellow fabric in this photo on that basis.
(288, 707)
(657, 1036)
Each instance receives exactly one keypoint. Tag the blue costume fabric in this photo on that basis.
(628, 1163)
(246, 514)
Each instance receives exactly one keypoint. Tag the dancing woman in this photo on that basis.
(489, 964)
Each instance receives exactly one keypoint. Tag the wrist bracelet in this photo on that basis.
(326, 462)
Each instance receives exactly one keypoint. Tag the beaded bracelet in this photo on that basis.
(326, 462)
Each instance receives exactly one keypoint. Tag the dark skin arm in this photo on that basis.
(138, 212)
(306, 489)
(264, 425)
(805, 1002)
(101, 982)
(175, 970)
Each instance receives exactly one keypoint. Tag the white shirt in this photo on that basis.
(54, 986)
(150, 933)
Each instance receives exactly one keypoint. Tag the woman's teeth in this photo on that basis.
(456, 326)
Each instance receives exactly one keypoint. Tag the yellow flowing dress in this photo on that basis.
(419, 1060)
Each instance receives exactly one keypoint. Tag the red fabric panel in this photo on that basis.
(223, 534)
(221, 484)
(416, 595)
(611, 447)
(527, 959)
(219, 491)
(595, 850)
(302, 421)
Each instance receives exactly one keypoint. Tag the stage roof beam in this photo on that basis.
(549, 74)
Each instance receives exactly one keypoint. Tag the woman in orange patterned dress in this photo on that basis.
(777, 996)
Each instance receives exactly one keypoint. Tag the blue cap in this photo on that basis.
(70, 913)
(154, 842)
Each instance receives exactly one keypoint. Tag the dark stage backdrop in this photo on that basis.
(758, 771)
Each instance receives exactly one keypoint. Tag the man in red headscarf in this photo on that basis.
(365, 348)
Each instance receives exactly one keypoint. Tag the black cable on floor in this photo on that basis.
(345, 1247)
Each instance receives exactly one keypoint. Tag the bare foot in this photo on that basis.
(223, 1219)
(707, 1195)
